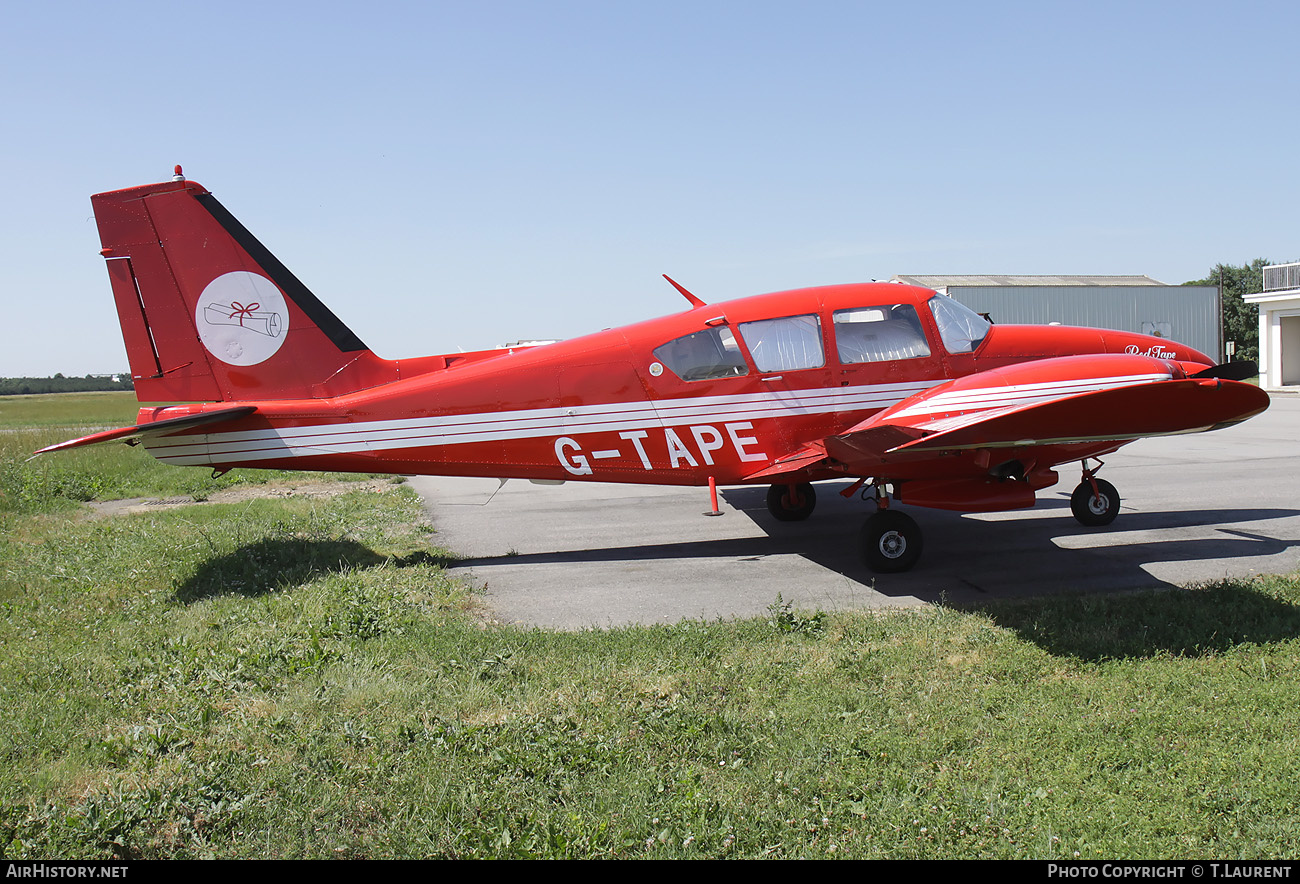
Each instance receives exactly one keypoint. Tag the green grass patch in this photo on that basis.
(299, 678)
(292, 678)
(60, 482)
(68, 410)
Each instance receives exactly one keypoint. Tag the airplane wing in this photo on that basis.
(810, 455)
(155, 428)
(1057, 401)
(1156, 409)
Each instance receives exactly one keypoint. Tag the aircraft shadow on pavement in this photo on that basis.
(966, 559)
(1015, 554)
(1019, 554)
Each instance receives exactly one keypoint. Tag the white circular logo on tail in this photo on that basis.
(242, 318)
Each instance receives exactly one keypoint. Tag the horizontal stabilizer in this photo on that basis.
(155, 428)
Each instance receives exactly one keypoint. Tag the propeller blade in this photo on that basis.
(1230, 371)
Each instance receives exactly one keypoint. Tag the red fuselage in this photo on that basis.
(607, 408)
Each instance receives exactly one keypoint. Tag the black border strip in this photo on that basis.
(342, 336)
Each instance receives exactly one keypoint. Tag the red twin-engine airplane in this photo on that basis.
(895, 386)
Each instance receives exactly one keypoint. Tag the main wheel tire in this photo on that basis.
(891, 542)
(1092, 510)
(780, 505)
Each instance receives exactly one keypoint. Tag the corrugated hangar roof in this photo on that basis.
(939, 282)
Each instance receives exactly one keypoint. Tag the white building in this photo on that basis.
(1279, 327)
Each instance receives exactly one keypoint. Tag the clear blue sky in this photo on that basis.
(458, 175)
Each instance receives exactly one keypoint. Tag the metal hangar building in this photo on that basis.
(1188, 314)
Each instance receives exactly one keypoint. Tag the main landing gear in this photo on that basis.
(1095, 502)
(791, 503)
(889, 541)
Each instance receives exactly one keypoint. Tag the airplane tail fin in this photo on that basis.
(209, 314)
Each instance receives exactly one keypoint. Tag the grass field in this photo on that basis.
(293, 677)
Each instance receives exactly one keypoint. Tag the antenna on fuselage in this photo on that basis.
(695, 302)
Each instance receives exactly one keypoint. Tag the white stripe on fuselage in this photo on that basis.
(1019, 395)
(250, 446)
(458, 429)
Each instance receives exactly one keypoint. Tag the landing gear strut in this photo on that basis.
(1095, 502)
(890, 541)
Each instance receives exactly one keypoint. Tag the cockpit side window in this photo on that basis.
(786, 344)
(704, 355)
(961, 328)
(879, 334)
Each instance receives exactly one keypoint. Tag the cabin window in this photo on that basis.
(704, 355)
(879, 334)
(786, 344)
(961, 328)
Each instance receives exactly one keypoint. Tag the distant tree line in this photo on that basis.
(60, 384)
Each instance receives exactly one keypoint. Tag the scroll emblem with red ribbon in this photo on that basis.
(242, 318)
(245, 316)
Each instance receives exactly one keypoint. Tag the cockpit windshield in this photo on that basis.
(961, 328)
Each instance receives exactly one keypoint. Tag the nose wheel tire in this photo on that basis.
(791, 505)
(890, 542)
(1095, 509)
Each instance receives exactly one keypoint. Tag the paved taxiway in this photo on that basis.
(1195, 508)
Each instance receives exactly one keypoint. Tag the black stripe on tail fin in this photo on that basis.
(322, 316)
